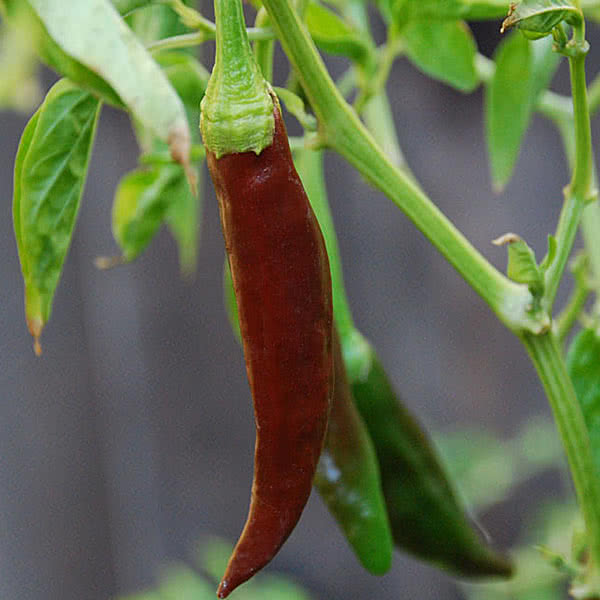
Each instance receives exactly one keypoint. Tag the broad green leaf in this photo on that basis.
(50, 173)
(444, 50)
(93, 33)
(20, 15)
(537, 18)
(332, 34)
(583, 364)
(144, 199)
(523, 70)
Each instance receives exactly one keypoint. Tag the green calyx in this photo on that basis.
(237, 109)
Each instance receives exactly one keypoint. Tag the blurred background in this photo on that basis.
(132, 437)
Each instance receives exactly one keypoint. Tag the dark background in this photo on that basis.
(132, 436)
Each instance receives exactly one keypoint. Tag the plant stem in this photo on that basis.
(188, 40)
(263, 49)
(342, 130)
(581, 183)
(580, 190)
(545, 353)
(566, 231)
(310, 168)
(579, 296)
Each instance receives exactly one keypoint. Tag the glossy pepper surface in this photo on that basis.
(282, 285)
(348, 477)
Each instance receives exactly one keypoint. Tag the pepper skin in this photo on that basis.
(348, 477)
(282, 285)
(425, 514)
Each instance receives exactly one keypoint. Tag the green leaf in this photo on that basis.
(126, 6)
(20, 15)
(183, 218)
(50, 172)
(295, 106)
(522, 266)
(476, 10)
(405, 11)
(537, 18)
(93, 33)
(507, 106)
(334, 35)
(186, 74)
(583, 364)
(444, 50)
(523, 70)
(144, 199)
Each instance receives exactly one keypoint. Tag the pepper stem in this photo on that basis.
(237, 110)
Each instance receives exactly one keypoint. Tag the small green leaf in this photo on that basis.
(522, 266)
(94, 34)
(549, 258)
(50, 172)
(583, 364)
(537, 18)
(334, 35)
(507, 106)
(144, 199)
(295, 106)
(523, 70)
(444, 50)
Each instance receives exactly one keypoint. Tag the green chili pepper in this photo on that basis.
(426, 517)
(348, 477)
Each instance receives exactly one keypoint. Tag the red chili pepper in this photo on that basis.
(283, 289)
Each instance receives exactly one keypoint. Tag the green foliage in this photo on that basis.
(444, 50)
(146, 198)
(583, 363)
(523, 71)
(50, 172)
(336, 36)
(93, 34)
(537, 18)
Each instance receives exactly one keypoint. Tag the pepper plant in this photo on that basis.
(120, 53)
